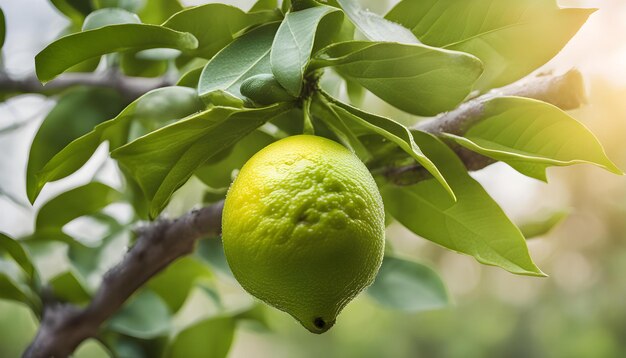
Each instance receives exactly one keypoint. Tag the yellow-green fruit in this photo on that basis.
(303, 228)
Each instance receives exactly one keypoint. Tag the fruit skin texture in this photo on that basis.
(303, 228)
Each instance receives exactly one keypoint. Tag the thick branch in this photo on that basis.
(129, 87)
(565, 91)
(65, 326)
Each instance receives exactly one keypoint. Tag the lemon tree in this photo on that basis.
(277, 111)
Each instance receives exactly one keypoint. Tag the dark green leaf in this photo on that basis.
(531, 135)
(417, 79)
(83, 200)
(162, 161)
(512, 38)
(132, 65)
(219, 175)
(216, 335)
(214, 25)
(3, 28)
(75, 114)
(76, 48)
(392, 131)
(374, 26)
(408, 286)
(293, 44)
(245, 57)
(109, 16)
(19, 254)
(157, 11)
(212, 252)
(474, 224)
(153, 109)
(69, 287)
(75, 10)
(174, 283)
(542, 223)
(144, 316)
(15, 286)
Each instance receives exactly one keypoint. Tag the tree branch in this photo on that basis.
(566, 91)
(64, 326)
(130, 88)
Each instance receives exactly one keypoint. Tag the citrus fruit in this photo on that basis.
(303, 228)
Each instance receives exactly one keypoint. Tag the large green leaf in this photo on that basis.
(153, 109)
(374, 26)
(83, 200)
(245, 57)
(144, 316)
(531, 135)
(219, 175)
(216, 335)
(408, 286)
(214, 25)
(19, 254)
(417, 79)
(512, 38)
(162, 161)
(474, 224)
(75, 114)
(175, 282)
(157, 11)
(293, 43)
(76, 48)
(389, 129)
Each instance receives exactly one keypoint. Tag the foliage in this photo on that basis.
(254, 77)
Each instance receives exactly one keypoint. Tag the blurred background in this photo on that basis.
(579, 311)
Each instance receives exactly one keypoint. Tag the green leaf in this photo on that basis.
(214, 25)
(474, 224)
(162, 161)
(175, 282)
(75, 114)
(293, 43)
(376, 27)
(3, 28)
(19, 254)
(212, 252)
(68, 286)
(216, 335)
(417, 79)
(392, 131)
(109, 16)
(543, 223)
(76, 48)
(531, 135)
(91, 348)
(157, 11)
(261, 5)
(145, 316)
(128, 5)
(408, 286)
(133, 65)
(323, 111)
(264, 89)
(87, 199)
(75, 10)
(219, 175)
(245, 57)
(13, 285)
(512, 38)
(190, 78)
(153, 109)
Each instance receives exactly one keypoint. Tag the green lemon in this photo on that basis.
(303, 228)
